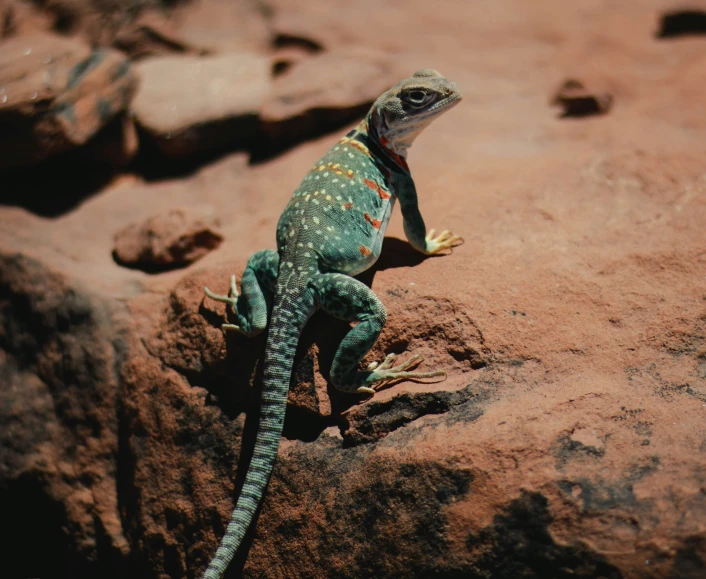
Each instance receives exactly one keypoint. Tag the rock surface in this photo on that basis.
(569, 439)
(188, 105)
(175, 239)
(325, 89)
(151, 34)
(224, 26)
(56, 94)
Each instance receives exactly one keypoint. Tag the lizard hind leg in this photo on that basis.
(251, 308)
(348, 299)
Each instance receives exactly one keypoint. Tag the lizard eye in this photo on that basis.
(416, 97)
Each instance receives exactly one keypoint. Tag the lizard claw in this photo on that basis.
(445, 240)
(231, 298)
(385, 373)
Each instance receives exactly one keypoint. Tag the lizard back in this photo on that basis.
(339, 212)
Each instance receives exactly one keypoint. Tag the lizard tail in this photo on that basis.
(292, 308)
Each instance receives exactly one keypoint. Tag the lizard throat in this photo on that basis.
(375, 129)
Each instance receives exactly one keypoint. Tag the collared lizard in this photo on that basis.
(332, 229)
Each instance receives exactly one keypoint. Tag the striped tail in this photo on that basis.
(292, 309)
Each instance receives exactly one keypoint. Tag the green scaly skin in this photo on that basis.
(333, 228)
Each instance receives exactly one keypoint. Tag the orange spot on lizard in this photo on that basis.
(376, 223)
(375, 187)
(364, 251)
(348, 206)
(399, 160)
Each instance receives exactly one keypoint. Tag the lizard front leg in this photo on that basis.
(414, 228)
(258, 285)
(348, 299)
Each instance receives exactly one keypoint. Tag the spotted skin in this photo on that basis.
(258, 285)
(332, 229)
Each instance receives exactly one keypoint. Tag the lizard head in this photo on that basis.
(403, 112)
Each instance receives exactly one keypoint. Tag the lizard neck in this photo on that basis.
(379, 130)
(371, 130)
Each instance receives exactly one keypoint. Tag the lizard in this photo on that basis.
(333, 229)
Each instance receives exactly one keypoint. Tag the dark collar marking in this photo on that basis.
(382, 154)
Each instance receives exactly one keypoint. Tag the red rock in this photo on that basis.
(34, 69)
(175, 239)
(224, 26)
(188, 105)
(55, 95)
(58, 407)
(323, 91)
(569, 437)
(20, 18)
(151, 34)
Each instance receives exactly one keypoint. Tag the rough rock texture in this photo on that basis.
(56, 94)
(188, 105)
(59, 442)
(175, 239)
(569, 439)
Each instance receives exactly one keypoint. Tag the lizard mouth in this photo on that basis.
(437, 108)
(443, 104)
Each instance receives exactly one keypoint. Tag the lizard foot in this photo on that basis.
(231, 298)
(383, 374)
(445, 240)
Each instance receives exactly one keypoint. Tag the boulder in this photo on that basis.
(322, 92)
(56, 94)
(188, 105)
(175, 239)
